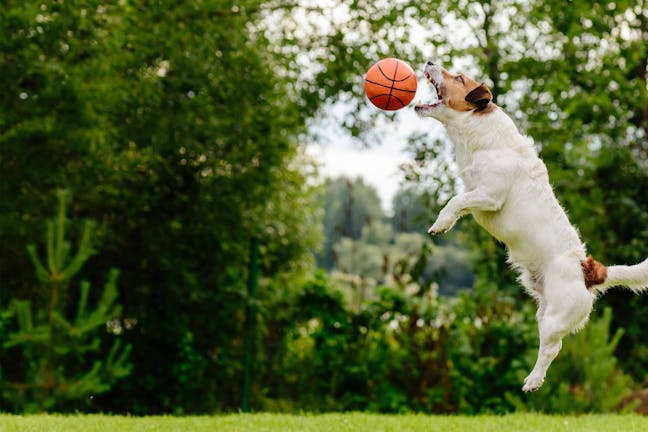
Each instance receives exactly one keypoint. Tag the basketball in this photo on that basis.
(390, 84)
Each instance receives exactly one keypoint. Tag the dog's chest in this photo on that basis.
(478, 169)
(469, 176)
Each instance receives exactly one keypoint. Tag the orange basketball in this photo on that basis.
(390, 84)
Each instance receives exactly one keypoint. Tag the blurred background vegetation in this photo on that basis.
(177, 131)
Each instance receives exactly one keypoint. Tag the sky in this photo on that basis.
(377, 165)
(338, 154)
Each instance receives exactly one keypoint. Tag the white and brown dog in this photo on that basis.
(508, 193)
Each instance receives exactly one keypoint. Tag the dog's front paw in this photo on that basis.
(434, 230)
(440, 226)
(532, 383)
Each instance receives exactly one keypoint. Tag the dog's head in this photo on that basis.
(457, 95)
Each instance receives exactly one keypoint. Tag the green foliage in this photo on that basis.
(369, 249)
(400, 353)
(175, 126)
(488, 334)
(350, 205)
(53, 361)
(180, 126)
(411, 211)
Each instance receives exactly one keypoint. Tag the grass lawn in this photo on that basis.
(325, 422)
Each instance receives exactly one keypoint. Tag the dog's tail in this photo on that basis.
(598, 278)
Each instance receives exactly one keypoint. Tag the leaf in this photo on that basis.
(41, 272)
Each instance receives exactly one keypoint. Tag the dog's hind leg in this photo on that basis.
(567, 306)
(551, 334)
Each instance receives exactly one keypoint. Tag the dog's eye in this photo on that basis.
(459, 78)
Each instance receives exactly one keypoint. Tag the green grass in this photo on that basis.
(325, 422)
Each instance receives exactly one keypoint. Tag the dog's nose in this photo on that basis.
(429, 63)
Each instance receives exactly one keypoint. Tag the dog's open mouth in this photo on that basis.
(439, 94)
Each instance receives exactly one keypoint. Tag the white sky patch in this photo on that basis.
(378, 165)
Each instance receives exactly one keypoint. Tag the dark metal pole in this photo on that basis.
(250, 323)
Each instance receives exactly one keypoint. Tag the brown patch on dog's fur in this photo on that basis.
(594, 272)
(462, 93)
(490, 107)
(455, 88)
(480, 96)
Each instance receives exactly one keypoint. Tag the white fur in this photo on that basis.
(634, 277)
(509, 195)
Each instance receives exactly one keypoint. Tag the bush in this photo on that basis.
(425, 353)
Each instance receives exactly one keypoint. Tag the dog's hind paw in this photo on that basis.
(532, 383)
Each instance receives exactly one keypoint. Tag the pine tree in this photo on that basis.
(57, 360)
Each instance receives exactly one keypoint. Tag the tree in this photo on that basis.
(56, 368)
(349, 206)
(176, 129)
(571, 76)
(411, 211)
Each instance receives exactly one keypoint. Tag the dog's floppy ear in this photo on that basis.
(480, 96)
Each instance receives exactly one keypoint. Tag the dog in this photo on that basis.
(509, 194)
